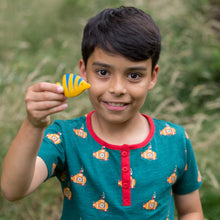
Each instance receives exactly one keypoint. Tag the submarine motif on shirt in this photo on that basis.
(168, 131)
(132, 182)
(73, 85)
(172, 178)
(80, 132)
(101, 204)
(53, 168)
(79, 178)
(101, 154)
(67, 192)
(54, 137)
(199, 178)
(151, 204)
(149, 154)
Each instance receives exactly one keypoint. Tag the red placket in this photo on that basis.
(125, 157)
(125, 177)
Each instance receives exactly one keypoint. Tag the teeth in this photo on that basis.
(116, 104)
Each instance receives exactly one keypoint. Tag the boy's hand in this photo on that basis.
(42, 100)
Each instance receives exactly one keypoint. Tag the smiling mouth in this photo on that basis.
(116, 104)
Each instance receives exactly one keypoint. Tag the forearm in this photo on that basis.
(192, 216)
(189, 206)
(22, 171)
(19, 163)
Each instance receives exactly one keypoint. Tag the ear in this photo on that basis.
(82, 69)
(153, 77)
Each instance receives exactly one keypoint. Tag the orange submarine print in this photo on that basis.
(149, 154)
(53, 169)
(80, 132)
(54, 137)
(151, 204)
(79, 178)
(101, 154)
(67, 193)
(186, 167)
(172, 178)
(73, 85)
(101, 205)
(168, 131)
(132, 181)
(199, 179)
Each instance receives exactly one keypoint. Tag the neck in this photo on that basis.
(130, 132)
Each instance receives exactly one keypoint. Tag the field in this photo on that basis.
(40, 40)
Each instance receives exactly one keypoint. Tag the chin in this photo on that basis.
(116, 118)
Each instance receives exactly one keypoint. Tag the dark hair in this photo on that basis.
(127, 31)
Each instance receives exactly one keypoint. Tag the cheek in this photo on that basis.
(95, 89)
(139, 93)
(139, 97)
(95, 92)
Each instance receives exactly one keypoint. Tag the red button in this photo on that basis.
(125, 185)
(124, 153)
(125, 169)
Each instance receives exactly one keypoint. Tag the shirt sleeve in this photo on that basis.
(52, 150)
(191, 179)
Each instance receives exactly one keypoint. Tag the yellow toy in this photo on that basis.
(73, 85)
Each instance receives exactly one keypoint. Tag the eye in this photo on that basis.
(134, 76)
(102, 73)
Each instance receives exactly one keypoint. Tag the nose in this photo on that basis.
(117, 85)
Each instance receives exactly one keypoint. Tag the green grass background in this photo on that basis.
(40, 40)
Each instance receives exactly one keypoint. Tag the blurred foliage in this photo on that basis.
(40, 40)
(192, 70)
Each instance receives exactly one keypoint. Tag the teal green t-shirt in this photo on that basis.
(104, 181)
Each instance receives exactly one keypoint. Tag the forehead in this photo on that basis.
(115, 60)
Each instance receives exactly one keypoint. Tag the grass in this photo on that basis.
(40, 40)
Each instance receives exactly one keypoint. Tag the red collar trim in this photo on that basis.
(125, 146)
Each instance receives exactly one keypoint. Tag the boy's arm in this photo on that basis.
(189, 206)
(22, 170)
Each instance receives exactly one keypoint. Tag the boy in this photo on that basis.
(115, 162)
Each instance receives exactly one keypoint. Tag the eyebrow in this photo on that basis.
(135, 68)
(102, 64)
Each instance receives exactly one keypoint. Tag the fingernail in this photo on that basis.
(65, 106)
(60, 89)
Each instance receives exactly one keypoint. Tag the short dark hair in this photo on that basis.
(127, 31)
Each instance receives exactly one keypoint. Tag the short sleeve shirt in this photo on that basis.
(104, 181)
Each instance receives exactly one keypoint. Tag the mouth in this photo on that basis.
(116, 106)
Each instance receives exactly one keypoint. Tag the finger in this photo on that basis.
(42, 118)
(57, 109)
(45, 86)
(38, 115)
(45, 96)
(44, 105)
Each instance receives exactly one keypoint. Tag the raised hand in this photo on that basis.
(42, 100)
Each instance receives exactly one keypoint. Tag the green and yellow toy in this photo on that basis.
(73, 85)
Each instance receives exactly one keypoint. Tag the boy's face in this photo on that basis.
(118, 86)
